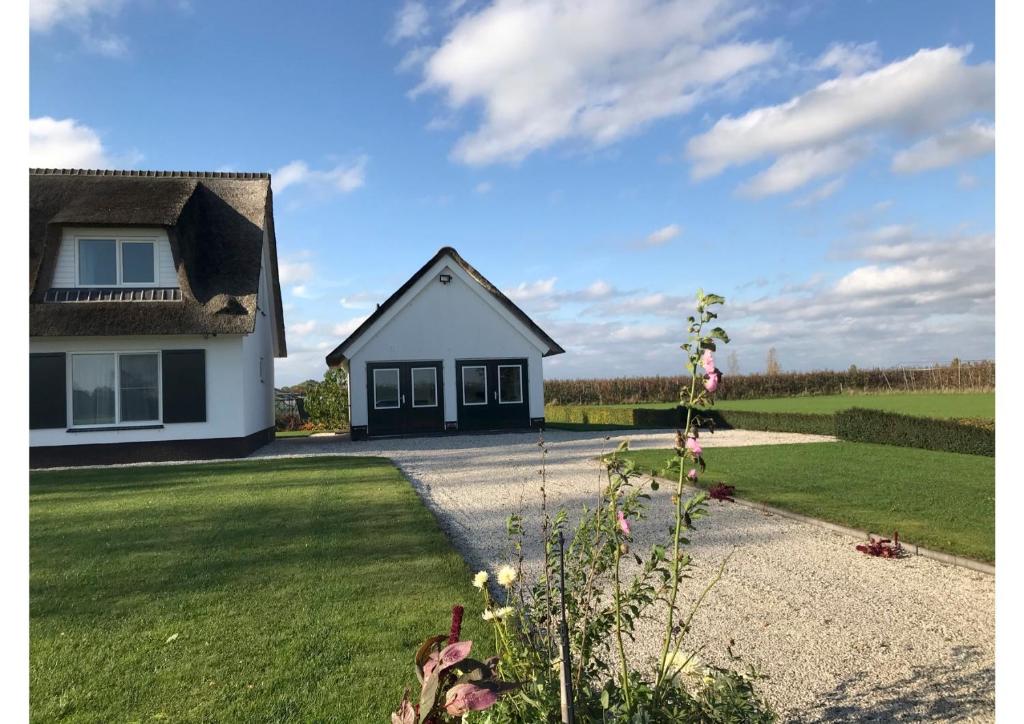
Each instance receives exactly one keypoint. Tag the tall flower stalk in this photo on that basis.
(699, 347)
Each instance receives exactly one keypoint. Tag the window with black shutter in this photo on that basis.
(184, 383)
(47, 397)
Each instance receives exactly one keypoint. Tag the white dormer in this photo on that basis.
(115, 257)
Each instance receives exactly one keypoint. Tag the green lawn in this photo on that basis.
(939, 500)
(924, 404)
(265, 590)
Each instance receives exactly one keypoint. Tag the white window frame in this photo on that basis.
(412, 379)
(473, 367)
(118, 422)
(119, 240)
(398, 396)
(521, 396)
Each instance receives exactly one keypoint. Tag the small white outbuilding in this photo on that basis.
(446, 352)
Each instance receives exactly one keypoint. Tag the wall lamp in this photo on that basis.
(445, 278)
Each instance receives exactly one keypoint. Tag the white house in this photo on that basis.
(447, 351)
(155, 315)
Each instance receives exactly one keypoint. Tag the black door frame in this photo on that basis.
(406, 417)
(493, 414)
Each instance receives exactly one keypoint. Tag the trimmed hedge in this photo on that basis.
(970, 437)
(647, 417)
(810, 424)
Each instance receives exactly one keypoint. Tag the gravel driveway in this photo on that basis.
(841, 636)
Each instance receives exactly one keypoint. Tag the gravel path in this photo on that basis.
(841, 636)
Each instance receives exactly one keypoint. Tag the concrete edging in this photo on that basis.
(917, 550)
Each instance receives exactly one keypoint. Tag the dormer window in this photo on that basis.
(116, 262)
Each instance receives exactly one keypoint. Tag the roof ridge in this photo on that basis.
(148, 174)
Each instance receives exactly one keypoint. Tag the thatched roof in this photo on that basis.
(215, 222)
(337, 355)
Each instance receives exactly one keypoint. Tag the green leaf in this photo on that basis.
(604, 699)
(719, 333)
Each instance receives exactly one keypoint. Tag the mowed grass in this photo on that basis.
(922, 404)
(268, 590)
(938, 500)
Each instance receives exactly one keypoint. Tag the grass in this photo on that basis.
(938, 500)
(263, 590)
(923, 404)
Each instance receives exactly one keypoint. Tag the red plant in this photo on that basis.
(721, 491)
(456, 629)
(882, 547)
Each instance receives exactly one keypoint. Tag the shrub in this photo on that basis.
(811, 424)
(288, 422)
(653, 418)
(327, 401)
(890, 428)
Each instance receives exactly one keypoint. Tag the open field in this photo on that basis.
(260, 590)
(922, 404)
(939, 500)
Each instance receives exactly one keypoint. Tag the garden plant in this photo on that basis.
(600, 588)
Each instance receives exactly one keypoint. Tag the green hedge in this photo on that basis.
(646, 417)
(811, 424)
(971, 437)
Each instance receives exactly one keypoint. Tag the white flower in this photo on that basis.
(682, 663)
(480, 579)
(503, 612)
(506, 576)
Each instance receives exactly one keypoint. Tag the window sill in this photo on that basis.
(117, 428)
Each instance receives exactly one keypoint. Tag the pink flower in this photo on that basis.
(623, 523)
(707, 361)
(463, 698)
(692, 475)
(694, 447)
(711, 383)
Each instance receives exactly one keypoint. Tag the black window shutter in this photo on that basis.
(184, 373)
(47, 385)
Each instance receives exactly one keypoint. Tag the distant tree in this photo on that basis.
(327, 401)
(772, 366)
(732, 364)
(852, 370)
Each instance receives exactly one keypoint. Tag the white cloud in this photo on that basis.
(66, 143)
(484, 187)
(526, 291)
(344, 329)
(660, 237)
(342, 178)
(298, 272)
(302, 329)
(302, 292)
(793, 170)
(359, 300)
(911, 97)
(967, 181)
(826, 190)
(44, 15)
(411, 21)
(549, 71)
(849, 58)
(947, 148)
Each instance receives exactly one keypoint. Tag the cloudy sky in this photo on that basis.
(827, 166)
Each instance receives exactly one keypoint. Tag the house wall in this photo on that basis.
(64, 274)
(445, 322)
(224, 389)
(257, 378)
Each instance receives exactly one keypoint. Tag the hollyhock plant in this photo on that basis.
(713, 380)
(692, 475)
(693, 446)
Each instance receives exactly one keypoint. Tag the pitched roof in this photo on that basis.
(215, 223)
(337, 355)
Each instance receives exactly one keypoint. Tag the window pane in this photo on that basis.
(139, 388)
(474, 385)
(92, 389)
(385, 388)
(424, 387)
(510, 383)
(97, 262)
(137, 262)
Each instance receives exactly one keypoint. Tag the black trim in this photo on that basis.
(337, 356)
(358, 432)
(52, 456)
(48, 391)
(537, 423)
(116, 428)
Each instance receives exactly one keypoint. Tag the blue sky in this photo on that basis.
(827, 166)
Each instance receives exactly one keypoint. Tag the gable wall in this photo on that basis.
(445, 322)
(64, 271)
